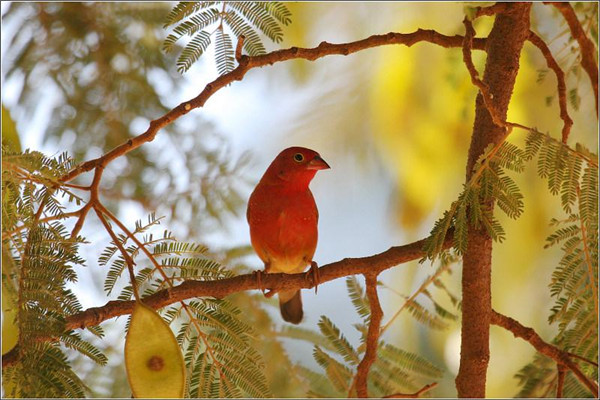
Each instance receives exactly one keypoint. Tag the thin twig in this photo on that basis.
(589, 262)
(94, 187)
(582, 359)
(587, 159)
(128, 260)
(562, 371)
(238, 48)
(558, 355)
(560, 80)
(420, 290)
(71, 185)
(586, 46)
(373, 333)
(483, 88)
(82, 215)
(414, 395)
(42, 220)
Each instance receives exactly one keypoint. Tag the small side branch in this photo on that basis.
(414, 395)
(126, 256)
(483, 88)
(94, 188)
(411, 299)
(594, 363)
(586, 46)
(491, 10)
(558, 355)
(364, 366)
(238, 48)
(560, 78)
(560, 384)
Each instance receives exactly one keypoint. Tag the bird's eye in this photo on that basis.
(298, 157)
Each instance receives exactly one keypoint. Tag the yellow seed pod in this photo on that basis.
(154, 363)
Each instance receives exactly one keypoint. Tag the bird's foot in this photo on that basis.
(312, 275)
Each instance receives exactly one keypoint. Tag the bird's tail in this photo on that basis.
(290, 304)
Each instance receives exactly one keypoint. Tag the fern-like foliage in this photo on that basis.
(201, 20)
(38, 259)
(490, 184)
(219, 354)
(395, 370)
(473, 208)
(574, 175)
(571, 174)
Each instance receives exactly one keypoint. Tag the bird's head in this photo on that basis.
(295, 166)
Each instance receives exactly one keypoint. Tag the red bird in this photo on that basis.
(283, 217)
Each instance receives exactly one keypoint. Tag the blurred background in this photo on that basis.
(393, 122)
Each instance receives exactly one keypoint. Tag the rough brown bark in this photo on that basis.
(504, 44)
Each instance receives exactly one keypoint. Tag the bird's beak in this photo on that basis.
(317, 163)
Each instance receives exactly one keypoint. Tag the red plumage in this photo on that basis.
(283, 218)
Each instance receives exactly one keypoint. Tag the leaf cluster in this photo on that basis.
(38, 260)
(571, 174)
(574, 285)
(488, 185)
(395, 370)
(201, 20)
(220, 357)
(568, 54)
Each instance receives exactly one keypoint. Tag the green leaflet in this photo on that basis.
(200, 20)
(38, 261)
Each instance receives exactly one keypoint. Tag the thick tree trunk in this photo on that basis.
(504, 46)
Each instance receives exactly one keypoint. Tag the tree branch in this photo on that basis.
(560, 380)
(126, 256)
(586, 46)
(414, 395)
(595, 364)
(94, 187)
(221, 288)
(238, 48)
(558, 355)
(246, 63)
(483, 88)
(491, 10)
(362, 371)
(560, 80)
(504, 44)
